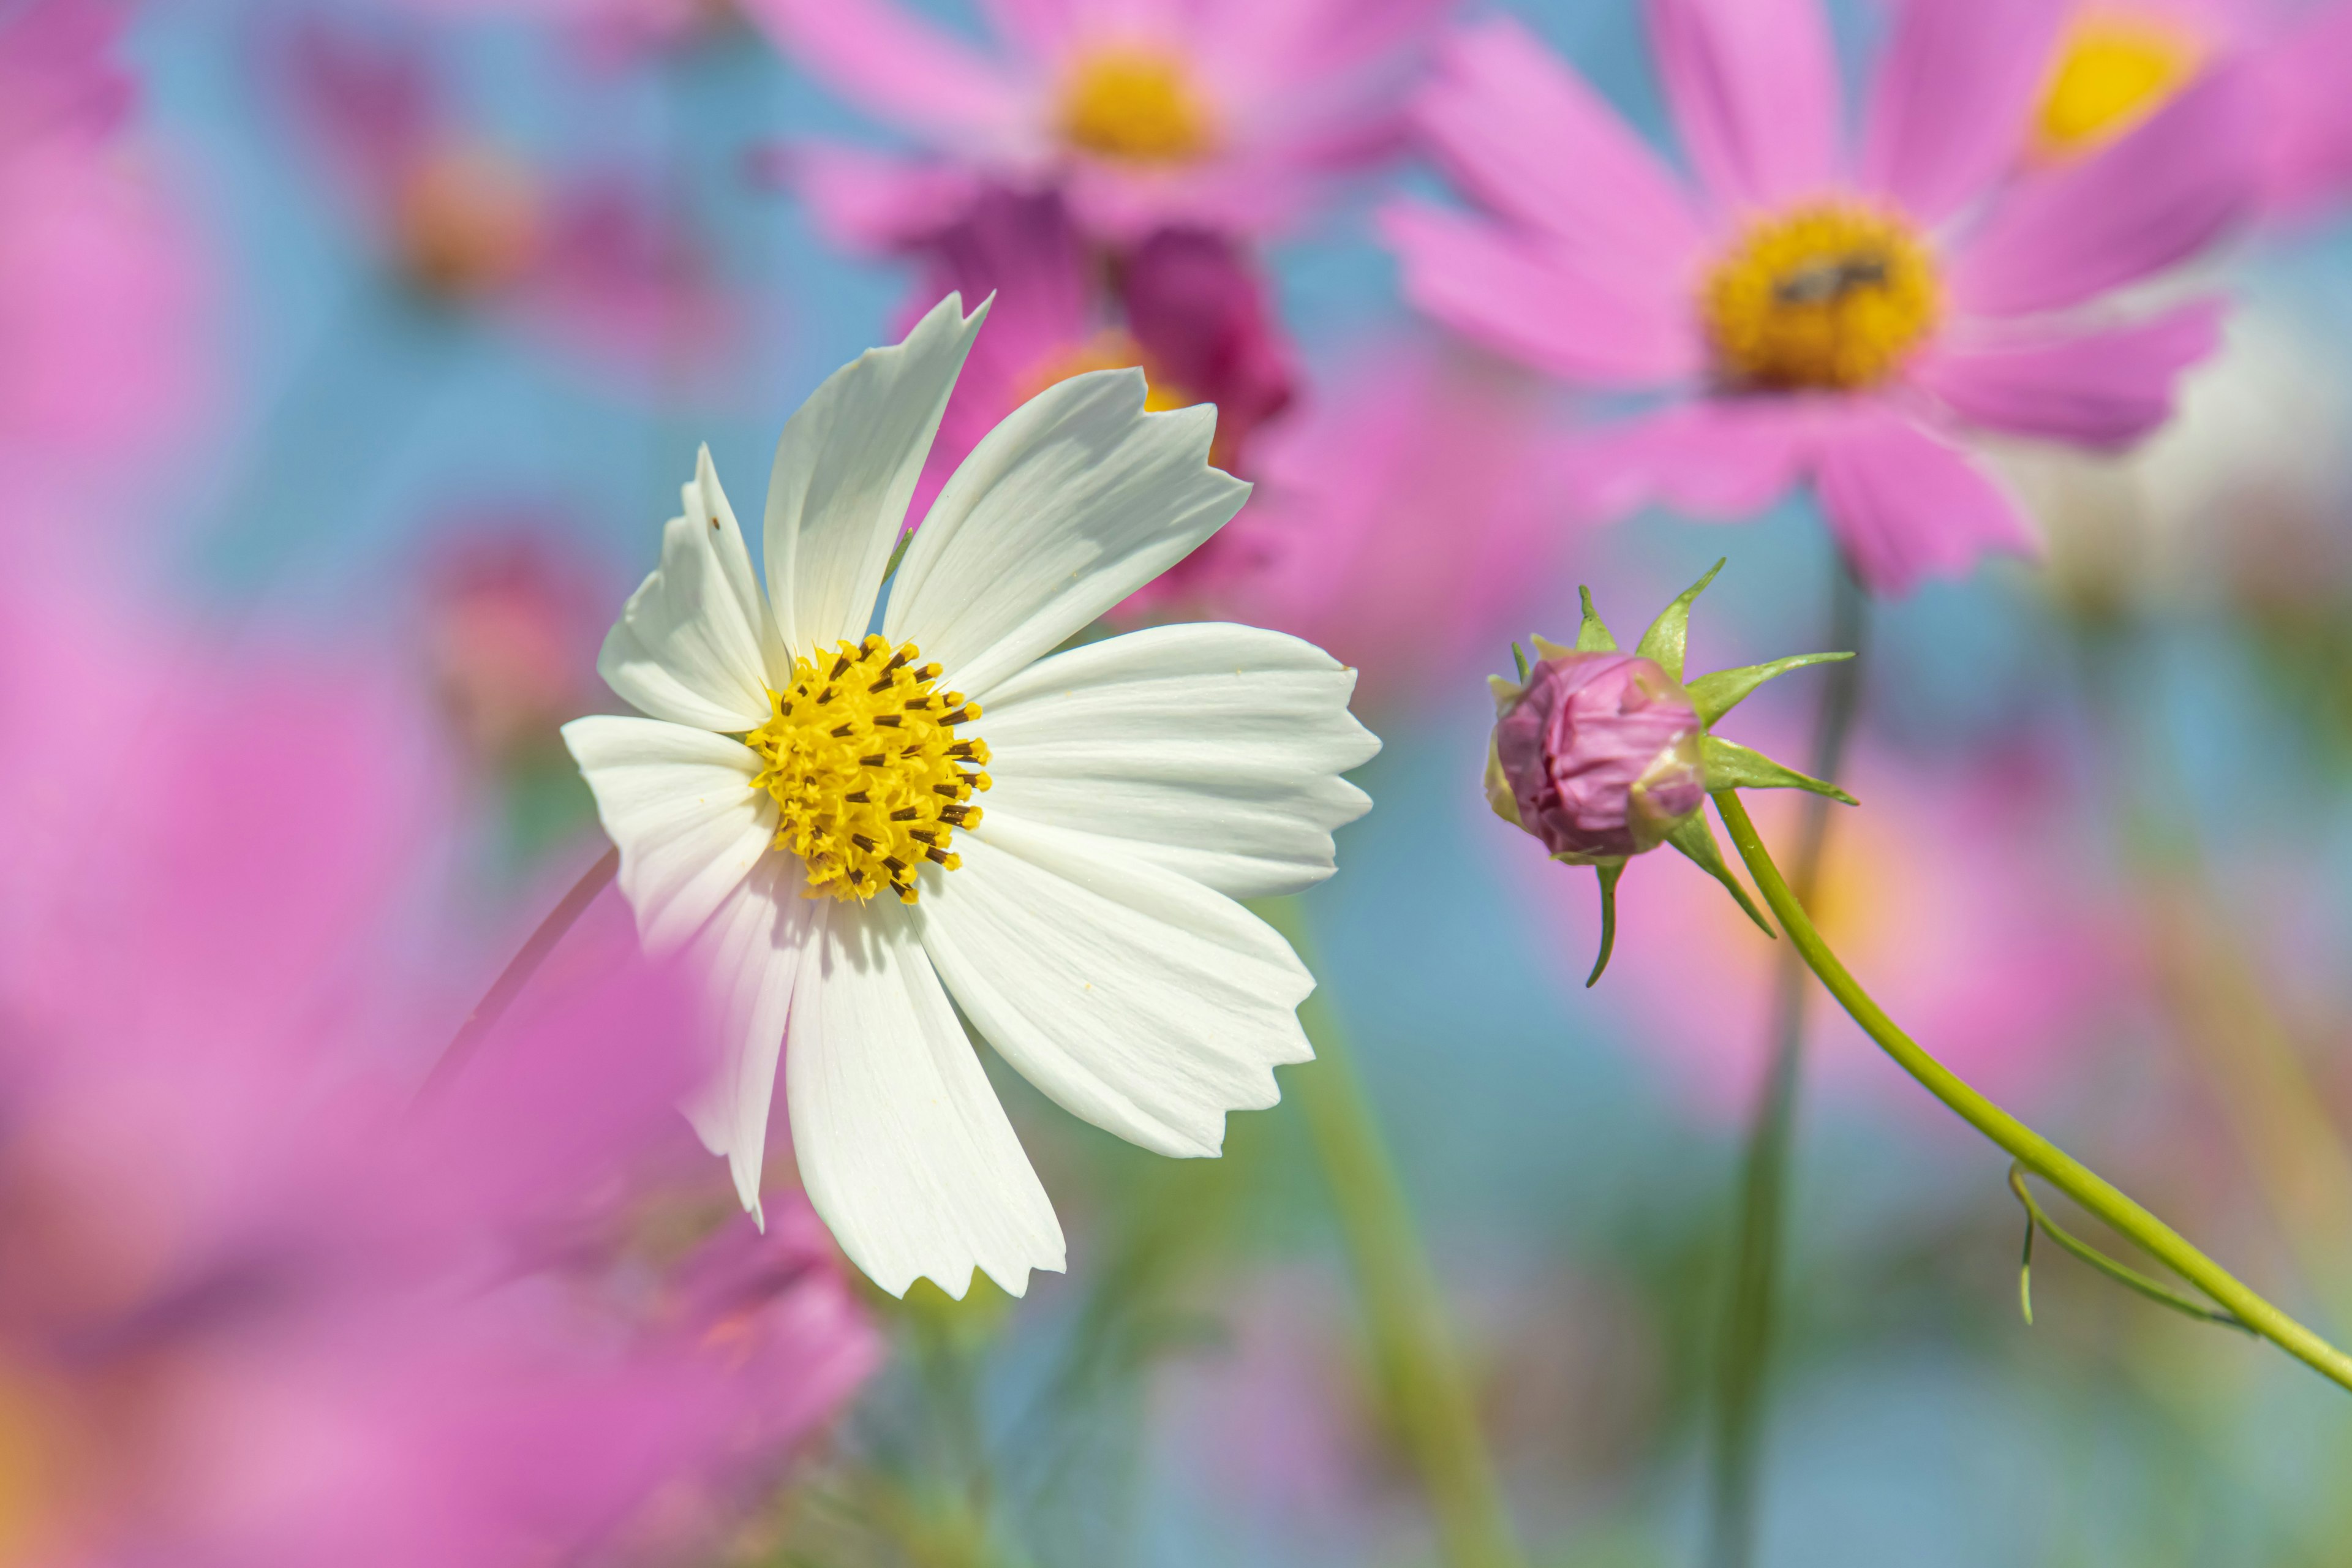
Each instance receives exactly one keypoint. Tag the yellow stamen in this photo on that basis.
(1830, 296)
(867, 769)
(2115, 69)
(1137, 105)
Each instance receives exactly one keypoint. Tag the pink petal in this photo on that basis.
(1718, 458)
(1754, 91)
(1040, 28)
(1531, 301)
(2154, 198)
(870, 202)
(2097, 388)
(901, 68)
(1522, 133)
(1905, 504)
(1951, 97)
(2308, 154)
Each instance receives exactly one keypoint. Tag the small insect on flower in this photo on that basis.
(801, 808)
(1604, 755)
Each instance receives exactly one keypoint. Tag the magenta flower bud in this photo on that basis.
(1598, 756)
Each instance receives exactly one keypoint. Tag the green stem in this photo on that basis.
(1746, 1351)
(1420, 1366)
(2029, 1147)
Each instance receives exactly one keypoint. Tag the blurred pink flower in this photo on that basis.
(2118, 61)
(1184, 305)
(512, 619)
(1810, 318)
(1229, 115)
(1956, 901)
(256, 1309)
(588, 259)
(100, 278)
(1403, 521)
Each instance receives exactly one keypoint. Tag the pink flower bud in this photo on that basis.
(1598, 756)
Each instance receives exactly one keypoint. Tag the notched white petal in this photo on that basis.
(686, 648)
(749, 952)
(1213, 750)
(845, 470)
(903, 1148)
(1075, 500)
(678, 803)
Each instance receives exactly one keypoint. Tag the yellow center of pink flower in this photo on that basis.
(2116, 67)
(1829, 295)
(867, 770)
(1136, 105)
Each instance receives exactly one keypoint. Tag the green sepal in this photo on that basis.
(1520, 659)
(1695, 839)
(1730, 765)
(1663, 643)
(1593, 633)
(1610, 871)
(1717, 694)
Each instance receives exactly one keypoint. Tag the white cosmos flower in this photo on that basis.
(799, 806)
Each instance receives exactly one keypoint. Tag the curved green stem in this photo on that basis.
(2029, 1147)
(2132, 1280)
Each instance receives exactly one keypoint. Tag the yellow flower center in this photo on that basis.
(1110, 349)
(1827, 295)
(862, 758)
(2115, 69)
(1137, 105)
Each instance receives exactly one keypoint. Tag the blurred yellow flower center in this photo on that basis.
(1109, 348)
(862, 758)
(1829, 295)
(466, 222)
(2115, 69)
(1137, 105)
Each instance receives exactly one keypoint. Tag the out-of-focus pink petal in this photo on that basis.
(1339, 531)
(1754, 90)
(364, 100)
(870, 202)
(1718, 459)
(1951, 98)
(1906, 504)
(1531, 301)
(58, 73)
(901, 68)
(614, 276)
(2148, 201)
(2096, 388)
(1039, 27)
(1521, 132)
(2307, 112)
(1199, 310)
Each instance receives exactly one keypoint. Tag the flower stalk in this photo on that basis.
(2029, 1147)
(517, 973)
(1420, 1365)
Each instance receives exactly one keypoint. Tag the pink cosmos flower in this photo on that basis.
(1404, 519)
(258, 1307)
(100, 277)
(1955, 901)
(1185, 306)
(1808, 315)
(588, 259)
(2118, 61)
(1229, 115)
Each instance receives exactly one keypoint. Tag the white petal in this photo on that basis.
(1213, 750)
(688, 645)
(748, 954)
(678, 803)
(1077, 500)
(703, 500)
(1136, 999)
(846, 469)
(903, 1147)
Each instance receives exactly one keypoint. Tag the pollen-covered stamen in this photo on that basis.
(867, 772)
(1832, 296)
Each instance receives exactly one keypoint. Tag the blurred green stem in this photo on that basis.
(1420, 1365)
(2035, 1153)
(1746, 1351)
